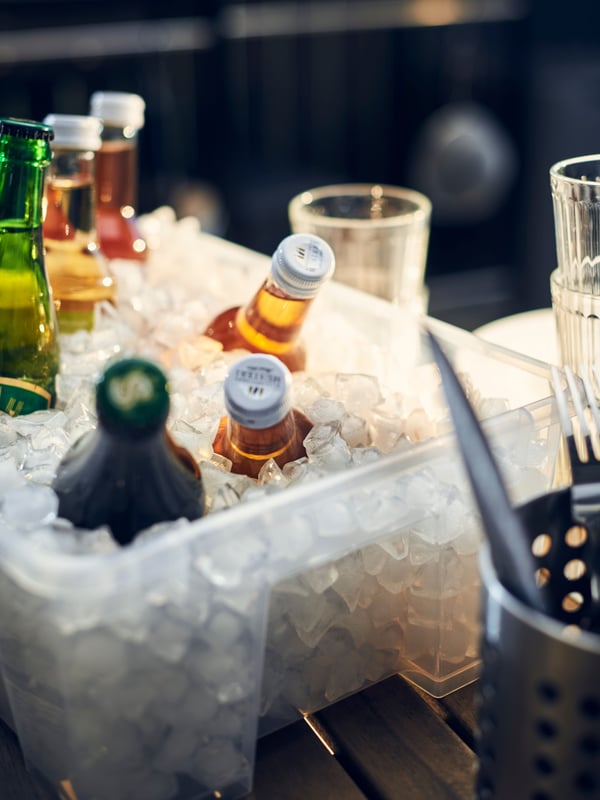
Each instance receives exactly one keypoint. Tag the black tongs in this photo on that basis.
(510, 547)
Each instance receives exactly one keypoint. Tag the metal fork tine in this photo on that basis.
(585, 471)
(594, 403)
(593, 406)
(585, 465)
(580, 412)
(563, 411)
(596, 374)
(565, 421)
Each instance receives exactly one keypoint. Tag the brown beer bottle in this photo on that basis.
(128, 473)
(272, 321)
(260, 423)
(122, 115)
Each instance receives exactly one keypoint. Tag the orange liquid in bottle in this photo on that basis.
(248, 449)
(271, 323)
(76, 269)
(116, 176)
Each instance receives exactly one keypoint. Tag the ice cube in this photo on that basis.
(29, 507)
(325, 411)
(358, 393)
(326, 448)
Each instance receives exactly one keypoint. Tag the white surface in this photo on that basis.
(532, 333)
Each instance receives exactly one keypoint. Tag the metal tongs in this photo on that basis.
(510, 546)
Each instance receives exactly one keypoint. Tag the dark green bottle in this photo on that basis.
(29, 354)
(128, 473)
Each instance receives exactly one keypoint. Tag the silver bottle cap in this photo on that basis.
(74, 131)
(118, 108)
(257, 391)
(301, 264)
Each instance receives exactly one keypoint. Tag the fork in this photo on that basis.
(583, 456)
(585, 469)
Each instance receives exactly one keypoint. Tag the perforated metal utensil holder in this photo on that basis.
(539, 691)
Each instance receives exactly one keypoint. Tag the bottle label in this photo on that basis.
(257, 391)
(21, 397)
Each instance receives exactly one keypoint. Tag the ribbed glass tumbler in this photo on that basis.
(575, 284)
(577, 320)
(575, 185)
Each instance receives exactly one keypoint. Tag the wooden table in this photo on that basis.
(389, 742)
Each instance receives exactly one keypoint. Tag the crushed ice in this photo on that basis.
(175, 643)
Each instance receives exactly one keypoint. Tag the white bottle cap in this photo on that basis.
(301, 264)
(74, 131)
(257, 391)
(118, 108)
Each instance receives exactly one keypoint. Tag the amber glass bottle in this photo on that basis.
(272, 321)
(260, 423)
(128, 474)
(77, 269)
(122, 115)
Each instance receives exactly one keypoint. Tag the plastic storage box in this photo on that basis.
(151, 671)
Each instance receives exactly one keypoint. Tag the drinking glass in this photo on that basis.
(577, 320)
(575, 283)
(575, 185)
(379, 235)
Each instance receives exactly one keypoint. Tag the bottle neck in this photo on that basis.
(158, 441)
(272, 320)
(117, 169)
(262, 443)
(70, 198)
(21, 191)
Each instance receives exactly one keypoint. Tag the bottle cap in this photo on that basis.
(118, 108)
(132, 398)
(25, 129)
(75, 131)
(257, 391)
(301, 264)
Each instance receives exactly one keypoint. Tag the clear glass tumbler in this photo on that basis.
(575, 186)
(379, 234)
(577, 319)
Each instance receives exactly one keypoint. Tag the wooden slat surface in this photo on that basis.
(15, 782)
(462, 707)
(401, 743)
(293, 765)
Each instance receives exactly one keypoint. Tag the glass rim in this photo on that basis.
(557, 169)
(299, 204)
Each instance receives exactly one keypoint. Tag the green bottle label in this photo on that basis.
(21, 397)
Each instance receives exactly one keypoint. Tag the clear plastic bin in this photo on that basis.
(150, 672)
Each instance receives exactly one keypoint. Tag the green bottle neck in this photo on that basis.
(132, 399)
(22, 168)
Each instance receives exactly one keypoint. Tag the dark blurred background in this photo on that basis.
(249, 103)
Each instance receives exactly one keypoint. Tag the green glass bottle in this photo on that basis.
(128, 473)
(29, 352)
